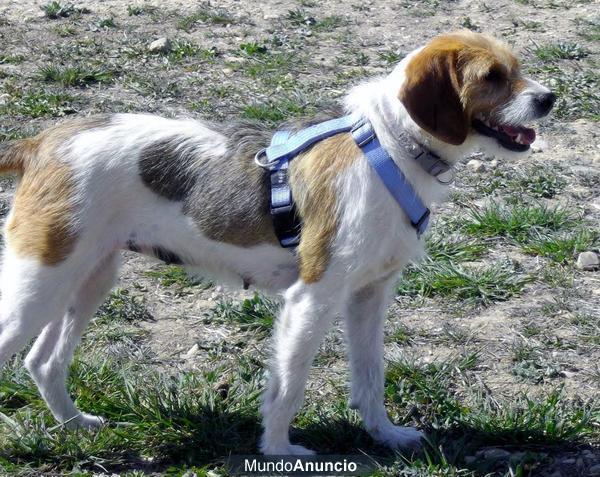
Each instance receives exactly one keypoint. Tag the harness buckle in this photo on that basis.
(363, 133)
(284, 220)
(419, 223)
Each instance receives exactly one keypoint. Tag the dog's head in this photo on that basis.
(467, 84)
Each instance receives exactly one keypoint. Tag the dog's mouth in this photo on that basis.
(509, 136)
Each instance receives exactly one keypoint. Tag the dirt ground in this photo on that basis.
(542, 338)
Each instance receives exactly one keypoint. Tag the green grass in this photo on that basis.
(137, 10)
(589, 28)
(257, 313)
(173, 420)
(562, 249)
(475, 285)
(390, 56)
(121, 306)
(275, 69)
(75, 75)
(107, 23)
(253, 48)
(533, 364)
(54, 10)
(38, 103)
(174, 275)
(208, 15)
(539, 181)
(560, 51)
(519, 222)
(276, 111)
(433, 395)
(554, 232)
(11, 59)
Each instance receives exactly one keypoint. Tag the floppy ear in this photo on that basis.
(430, 94)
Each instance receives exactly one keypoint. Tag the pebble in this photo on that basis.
(475, 165)
(227, 71)
(192, 351)
(162, 45)
(493, 163)
(588, 261)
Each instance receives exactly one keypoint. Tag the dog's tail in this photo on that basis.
(16, 155)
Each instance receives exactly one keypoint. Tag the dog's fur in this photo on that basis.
(188, 192)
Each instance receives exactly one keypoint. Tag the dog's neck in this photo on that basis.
(400, 135)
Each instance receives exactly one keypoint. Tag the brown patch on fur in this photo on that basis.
(454, 77)
(313, 179)
(41, 224)
(15, 154)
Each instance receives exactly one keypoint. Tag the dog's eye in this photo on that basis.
(494, 76)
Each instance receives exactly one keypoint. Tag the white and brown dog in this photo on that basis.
(189, 192)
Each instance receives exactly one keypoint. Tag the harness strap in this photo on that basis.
(286, 145)
(283, 210)
(392, 177)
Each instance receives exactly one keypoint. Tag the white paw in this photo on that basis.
(85, 421)
(286, 449)
(399, 437)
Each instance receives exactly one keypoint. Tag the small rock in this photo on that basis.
(539, 145)
(162, 45)
(569, 461)
(227, 71)
(192, 351)
(588, 261)
(475, 165)
(594, 470)
(270, 16)
(493, 163)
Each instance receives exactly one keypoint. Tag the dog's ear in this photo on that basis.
(431, 94)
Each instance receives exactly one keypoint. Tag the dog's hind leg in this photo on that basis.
(365, 318)
(300, 328)
(33, 295)
(49, 359)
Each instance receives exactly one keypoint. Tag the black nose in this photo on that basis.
(544, 102)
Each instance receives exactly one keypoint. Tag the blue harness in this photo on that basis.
(285, 145)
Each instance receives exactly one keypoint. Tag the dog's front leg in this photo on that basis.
(364, 329)
(307, 314)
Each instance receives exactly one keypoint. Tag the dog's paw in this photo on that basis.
(287, 449)
(85, 421)
(399, 437)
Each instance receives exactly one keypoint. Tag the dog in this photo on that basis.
(189, 192)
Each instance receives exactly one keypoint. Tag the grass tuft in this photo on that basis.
(479, 285)
(75, 75)
(520, 221)
(256, 313)
(208, 15)
(174, 275)
(121, 306)
(54, 10)
(560, 51)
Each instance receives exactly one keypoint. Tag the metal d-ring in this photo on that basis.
(266, 165)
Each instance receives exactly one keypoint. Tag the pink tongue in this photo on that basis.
(527, 134)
